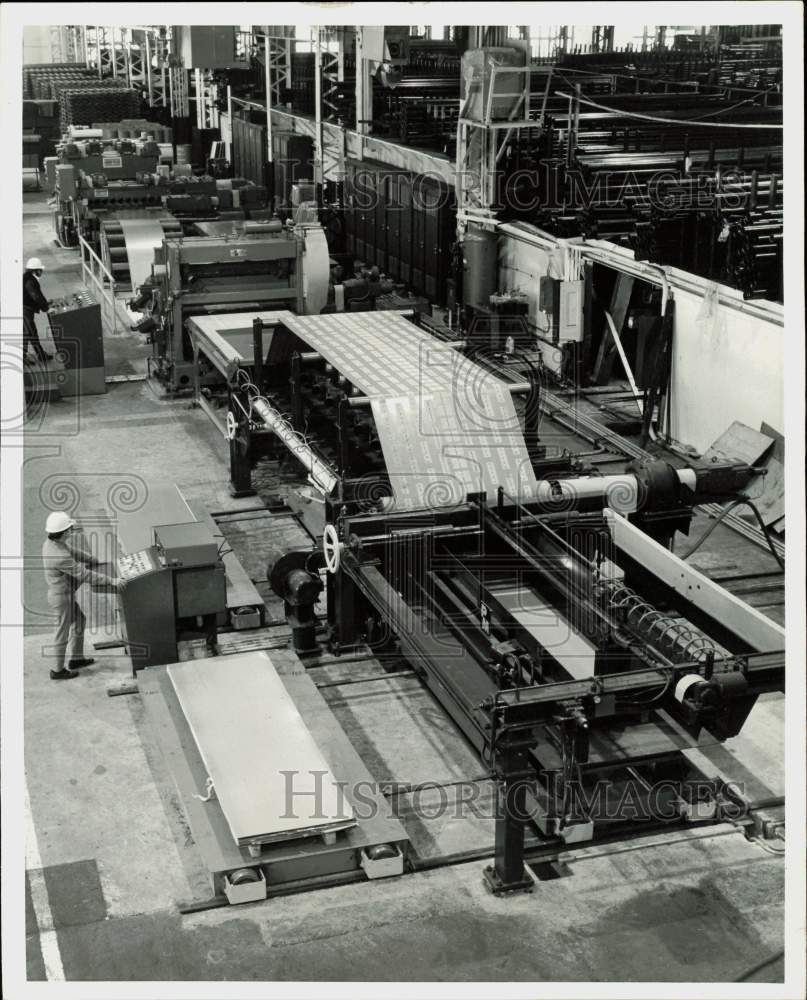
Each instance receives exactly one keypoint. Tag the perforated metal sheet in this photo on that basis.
(447, 427)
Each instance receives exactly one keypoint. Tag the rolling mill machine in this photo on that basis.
(244, 267)
(263, 265)
(540, 603)
(100, 184)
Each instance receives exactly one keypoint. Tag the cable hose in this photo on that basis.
(663, 121)
(740, 501)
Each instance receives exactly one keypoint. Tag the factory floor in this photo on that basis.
(110, 858)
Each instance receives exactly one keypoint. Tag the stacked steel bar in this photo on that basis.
(729, 230)
(656, 183)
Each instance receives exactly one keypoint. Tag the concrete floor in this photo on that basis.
(110, 855)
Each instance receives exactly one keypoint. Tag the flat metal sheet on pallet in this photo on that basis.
(268, 774)
(447, 427)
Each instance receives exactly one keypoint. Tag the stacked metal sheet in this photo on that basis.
(270, 777)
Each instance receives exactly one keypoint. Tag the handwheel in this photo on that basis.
(232, 426)
(331, 548)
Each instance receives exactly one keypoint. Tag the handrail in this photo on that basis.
(93, 267)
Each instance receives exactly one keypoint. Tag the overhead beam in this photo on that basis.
(360, 146)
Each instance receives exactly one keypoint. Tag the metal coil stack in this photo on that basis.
(38, 79)
(81, 104)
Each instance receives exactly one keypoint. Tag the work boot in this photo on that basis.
(79, 662)
(62, 675)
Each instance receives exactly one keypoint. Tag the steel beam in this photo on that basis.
(750, 625)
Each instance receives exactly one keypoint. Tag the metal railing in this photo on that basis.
(102, 282)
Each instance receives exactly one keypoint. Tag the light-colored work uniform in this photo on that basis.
(65, 571)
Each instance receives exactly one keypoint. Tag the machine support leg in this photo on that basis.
(343, 422)
(211, 629)
(257, 349)
(341, 602)
(296, 395)
(507, 873)
(240, 458)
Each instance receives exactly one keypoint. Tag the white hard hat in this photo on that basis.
(58, 521)
(35, 264)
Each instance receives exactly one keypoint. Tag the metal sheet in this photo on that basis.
(269, 776)
(447, 426)
(572, 651)
(739, 443)
(142, 236)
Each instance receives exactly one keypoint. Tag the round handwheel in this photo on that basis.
(232, 426)
(331, 548)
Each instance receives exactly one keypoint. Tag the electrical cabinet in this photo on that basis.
(78, 334)
(178, 582)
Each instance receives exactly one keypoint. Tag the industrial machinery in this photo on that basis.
(572, 649)
(93, 172)
(267, 266)
(544, 609)
(689, 177)
(175, 586)
(100, 181)
(246, 267)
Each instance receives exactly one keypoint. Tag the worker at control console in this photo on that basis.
(67, 569)
(33, 301)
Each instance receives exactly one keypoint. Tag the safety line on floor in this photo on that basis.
(48, 941)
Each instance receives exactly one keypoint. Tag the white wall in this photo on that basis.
(727, 365)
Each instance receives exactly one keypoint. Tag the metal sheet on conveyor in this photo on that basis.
(141, 236)
(447, 426)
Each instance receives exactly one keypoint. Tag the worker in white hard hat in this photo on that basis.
(66, 569)
(33, 301)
